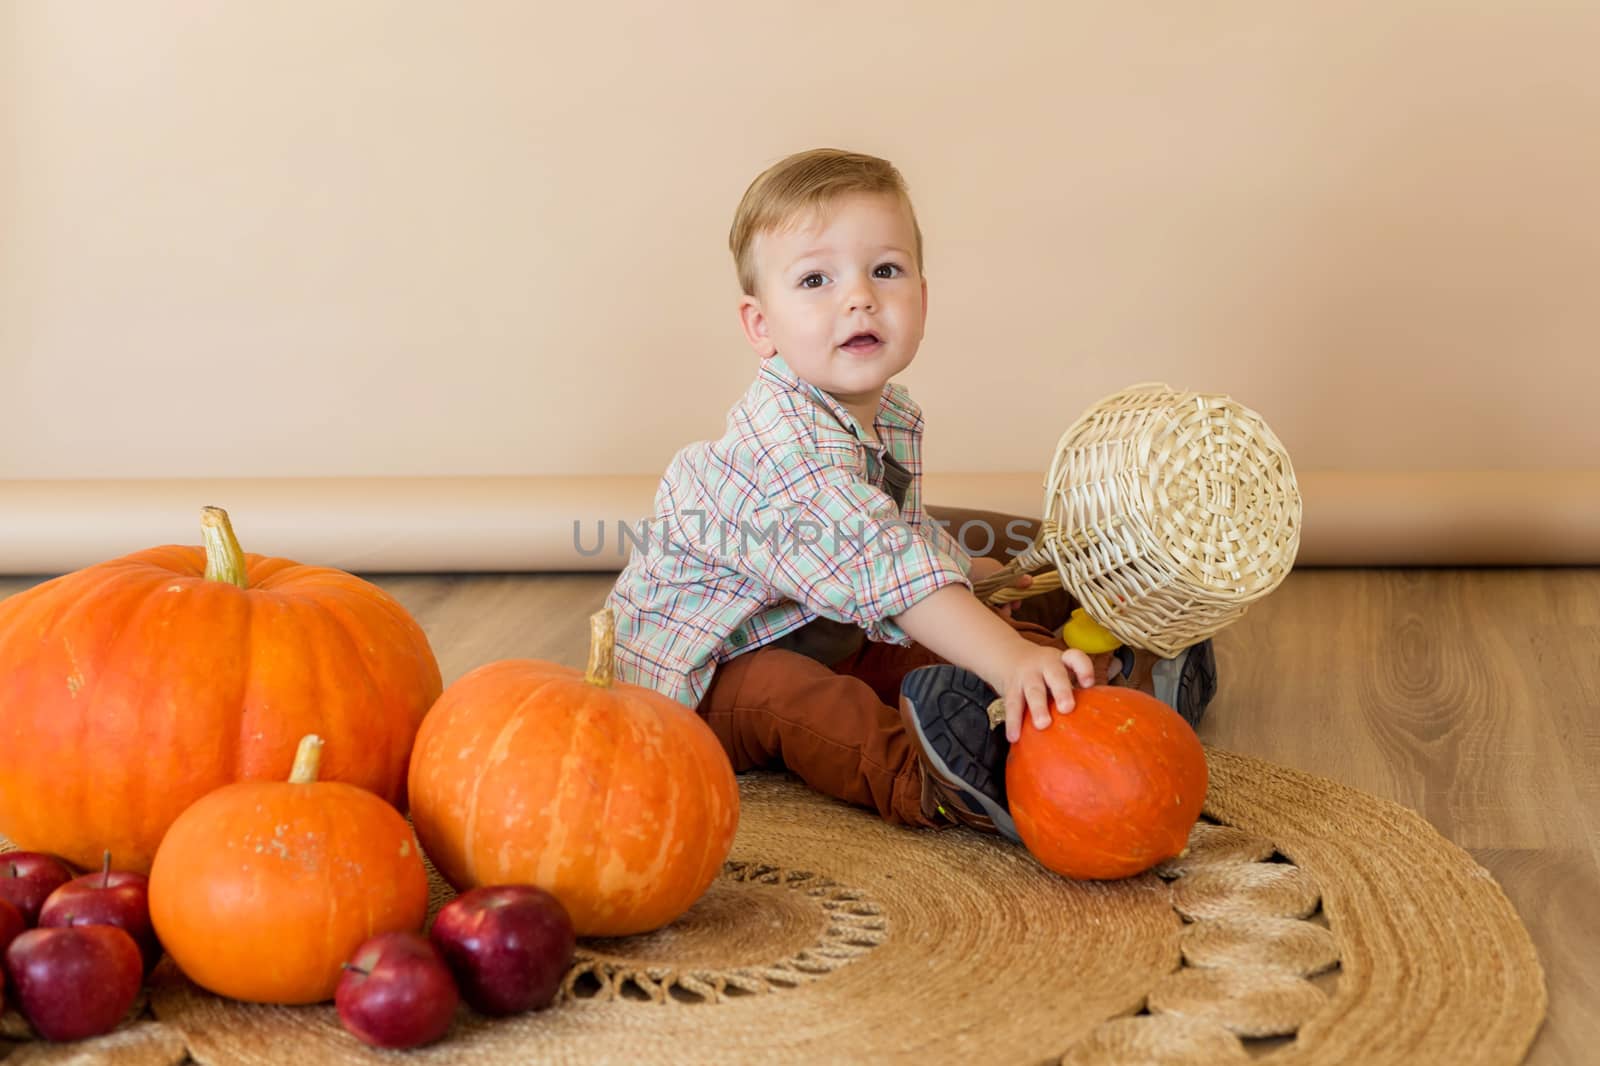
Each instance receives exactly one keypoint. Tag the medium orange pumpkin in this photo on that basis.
(262, 889)
(1108, 790)
(614, 798)
(130, 689)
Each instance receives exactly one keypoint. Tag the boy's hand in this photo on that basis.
(953, 625)
(1036, 675)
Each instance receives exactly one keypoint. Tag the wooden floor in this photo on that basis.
(1472, 696)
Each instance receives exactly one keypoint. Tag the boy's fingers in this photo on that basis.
(1038, 704)
(1013, 714)
(1081, 667)
(1060, 688)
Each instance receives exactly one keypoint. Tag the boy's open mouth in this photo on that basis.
(862, 342)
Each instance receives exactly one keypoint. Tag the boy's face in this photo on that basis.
(854, 271)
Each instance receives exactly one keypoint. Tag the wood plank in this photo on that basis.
(10, 585)
(1417, 687)
(479, 619)
(1470, 696)
(1553, 892)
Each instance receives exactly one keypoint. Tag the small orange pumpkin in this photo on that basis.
(1109, 789)
(614, 798)
(130, 689)
(262, 889)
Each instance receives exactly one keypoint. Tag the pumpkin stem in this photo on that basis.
(997, 713)
(602, 645)
(307, 760)
(224, 557)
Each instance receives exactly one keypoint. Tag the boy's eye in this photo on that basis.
(893, 267)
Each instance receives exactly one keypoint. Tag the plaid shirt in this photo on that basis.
(782, 521)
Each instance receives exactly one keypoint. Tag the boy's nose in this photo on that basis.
(860, 295)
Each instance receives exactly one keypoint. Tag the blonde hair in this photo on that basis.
(801, 186)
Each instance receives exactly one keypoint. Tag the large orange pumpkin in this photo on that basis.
(130, 689)
(1109, 789)
(263, 889)
(614, 798)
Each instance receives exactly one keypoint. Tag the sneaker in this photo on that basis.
(945, 710)
(1186, 682)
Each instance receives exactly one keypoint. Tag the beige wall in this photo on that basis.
(374, 238)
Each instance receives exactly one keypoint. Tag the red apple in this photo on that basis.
(76, 982)
(110, 897)
(11, 925)
(27, 877)
(509, 946)
(396, 992)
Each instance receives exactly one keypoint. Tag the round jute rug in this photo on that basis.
(1308, 923)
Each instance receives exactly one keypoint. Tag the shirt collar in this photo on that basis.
(895, 406)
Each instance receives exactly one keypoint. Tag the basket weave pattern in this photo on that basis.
(1166, 514)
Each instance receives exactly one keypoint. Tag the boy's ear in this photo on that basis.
(754, 321)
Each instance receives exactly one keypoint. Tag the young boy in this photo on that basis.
(791, 587)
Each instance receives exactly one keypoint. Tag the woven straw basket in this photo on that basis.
(1166, 514)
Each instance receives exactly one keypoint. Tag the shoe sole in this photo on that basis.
(919, 687)
(1188, 682)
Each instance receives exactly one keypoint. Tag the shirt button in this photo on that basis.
(738, 639)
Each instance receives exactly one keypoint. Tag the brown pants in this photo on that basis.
(837, 727)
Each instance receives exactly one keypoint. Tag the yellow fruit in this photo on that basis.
(1087, 635)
